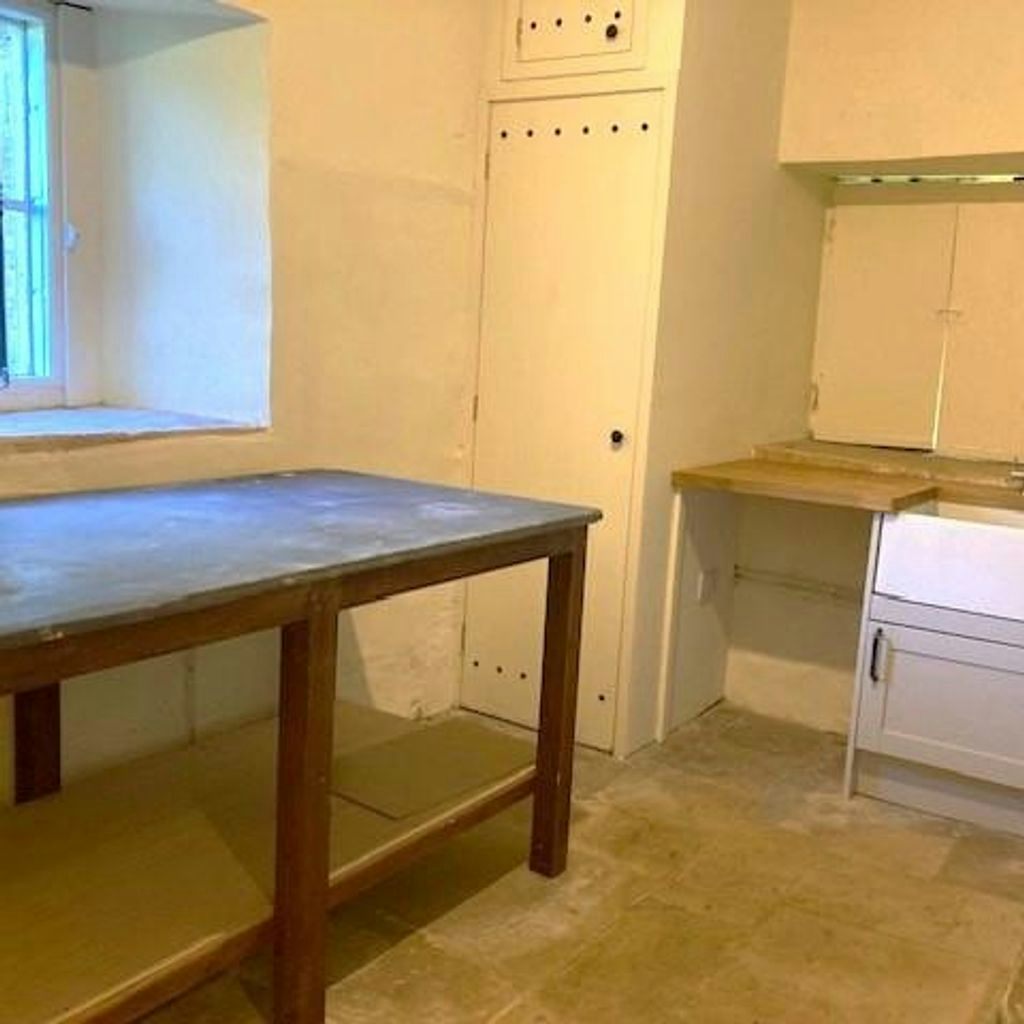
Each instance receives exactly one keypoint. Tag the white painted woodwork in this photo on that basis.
(568, 265)
(946, 620)
(882, 324)
(983, 396)
(947, 701)
(949, 556)
(940, 792)
(545, 38)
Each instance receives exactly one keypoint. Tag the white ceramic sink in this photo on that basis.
(972, 514)
(951, 555)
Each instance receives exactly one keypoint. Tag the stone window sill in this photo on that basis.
(91, 426)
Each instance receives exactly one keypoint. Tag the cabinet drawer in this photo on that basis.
(945, 701)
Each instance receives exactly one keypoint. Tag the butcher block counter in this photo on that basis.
(851, 476)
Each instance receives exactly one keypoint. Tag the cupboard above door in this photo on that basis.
(882, 324)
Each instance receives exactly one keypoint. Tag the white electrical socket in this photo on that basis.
(707, 586)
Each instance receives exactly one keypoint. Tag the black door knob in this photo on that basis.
(618, 438)
(612, 32)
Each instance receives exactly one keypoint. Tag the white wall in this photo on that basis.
(738, 307)
(374, 303)
(186, 273)
(796, 611)
(918, 80)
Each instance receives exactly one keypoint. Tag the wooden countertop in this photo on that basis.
(813, 484)
(852, 476)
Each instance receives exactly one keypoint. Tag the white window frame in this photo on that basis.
(47, 392)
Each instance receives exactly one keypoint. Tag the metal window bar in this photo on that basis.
(5, 369)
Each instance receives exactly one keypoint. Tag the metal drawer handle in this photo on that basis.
(876, 655)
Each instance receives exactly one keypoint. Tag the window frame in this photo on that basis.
(51, 391)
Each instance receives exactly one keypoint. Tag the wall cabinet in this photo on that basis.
(918, 330)
(549, 38)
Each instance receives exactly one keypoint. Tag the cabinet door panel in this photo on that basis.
(983, 396)
(570, 238)
(945, 701)
(881, 328)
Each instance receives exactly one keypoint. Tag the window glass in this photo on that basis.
(25, 350)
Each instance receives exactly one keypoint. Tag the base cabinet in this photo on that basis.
(938, 722)
(950, 702)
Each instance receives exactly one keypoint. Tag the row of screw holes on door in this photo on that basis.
(522, 675)
(559, 22)
(501, 670)
(616, 128)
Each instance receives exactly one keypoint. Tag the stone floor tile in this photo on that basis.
(988, 861)
(457, 871)
(644, 844)
(528, 927)
(947, 917)
(526, 1011)
(647, 967)
(871, 831)
(739, 878)
(420, 983)
(857, 974)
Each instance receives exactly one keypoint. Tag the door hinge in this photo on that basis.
(815, 396)
(487, 166)
(476, 408)
(519, 35)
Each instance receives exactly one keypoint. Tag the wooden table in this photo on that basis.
(94, 581)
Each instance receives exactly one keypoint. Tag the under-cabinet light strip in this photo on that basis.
(929, 179)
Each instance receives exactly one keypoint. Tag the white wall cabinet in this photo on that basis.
(919, 329)
(881, 329)
(983, 397)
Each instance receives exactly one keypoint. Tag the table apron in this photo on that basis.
(36, 665)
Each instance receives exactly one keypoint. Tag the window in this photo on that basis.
(27, 354)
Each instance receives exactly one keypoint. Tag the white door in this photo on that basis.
(570, 234)
(983, 397)
(882, 324)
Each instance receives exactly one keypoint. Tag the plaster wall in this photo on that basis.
(796, 611)
(183, 141)
(739, 298)
(873, 80)
(373, 181)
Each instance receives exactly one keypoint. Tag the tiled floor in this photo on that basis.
(721, 879)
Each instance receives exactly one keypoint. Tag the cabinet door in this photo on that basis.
(567, 282)
(983, 397)
(548, 38)
(945, 701)
(882, 324)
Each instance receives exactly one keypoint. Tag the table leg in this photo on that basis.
(308, 666)
(552, 801)
(37, 744)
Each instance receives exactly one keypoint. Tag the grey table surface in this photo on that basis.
(89, 560)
